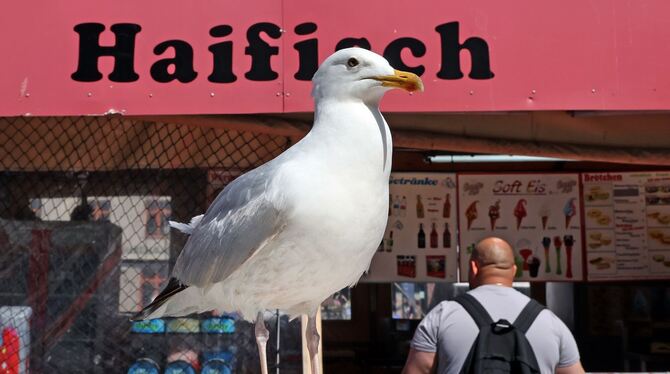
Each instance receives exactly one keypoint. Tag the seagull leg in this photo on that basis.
(262, 337)
(313, 343)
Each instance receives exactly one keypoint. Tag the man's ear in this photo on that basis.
(474, 269)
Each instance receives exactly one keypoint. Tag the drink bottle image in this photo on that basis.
(390, 205)
(446, 236)
(421, 237)
(396, 206)
(403, 207)
(389, 242)
(419, 207)
(433, 237)
(446, 209)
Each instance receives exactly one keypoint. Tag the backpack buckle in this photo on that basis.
(501, 327)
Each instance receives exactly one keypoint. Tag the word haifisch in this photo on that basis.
(180, 66)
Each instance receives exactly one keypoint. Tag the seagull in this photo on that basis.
(304, 225)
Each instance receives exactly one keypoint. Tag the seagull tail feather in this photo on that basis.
(150, 311)
(187, 228)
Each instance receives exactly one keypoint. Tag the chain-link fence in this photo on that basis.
(85, 243)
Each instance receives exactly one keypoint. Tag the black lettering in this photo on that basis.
(182, 62)
(451, 51)
(308, 52)
(90, 51)
(261, 52)
(222, 70)
(353, 42)
(394, 50)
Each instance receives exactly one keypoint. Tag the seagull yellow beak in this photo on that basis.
(401, 79)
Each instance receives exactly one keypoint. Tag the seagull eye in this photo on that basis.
(352, 62)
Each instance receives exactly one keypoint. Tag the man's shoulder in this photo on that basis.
(447, 310)
(548, 321)
(443, 307)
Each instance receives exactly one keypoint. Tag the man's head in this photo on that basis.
(492, 262)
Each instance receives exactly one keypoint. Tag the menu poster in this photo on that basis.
(627, 219)
(538, 214)
(419, 243)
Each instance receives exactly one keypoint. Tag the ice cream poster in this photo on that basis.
(627, 225)
(419, 243)
(538, 214)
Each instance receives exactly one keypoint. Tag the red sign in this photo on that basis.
(257, 56)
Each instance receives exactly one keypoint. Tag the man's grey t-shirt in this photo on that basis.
(450, 331)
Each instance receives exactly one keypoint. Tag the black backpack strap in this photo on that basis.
(528, 315)
(475, 310)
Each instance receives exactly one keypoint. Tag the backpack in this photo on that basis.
(500, 347)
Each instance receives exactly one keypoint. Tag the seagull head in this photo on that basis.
(359, 74)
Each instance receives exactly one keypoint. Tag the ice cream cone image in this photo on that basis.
(494, 214)
(569, 210)
(520, 212)
(544, 214)
(471, 213)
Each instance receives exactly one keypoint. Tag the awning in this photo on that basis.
(173, 142)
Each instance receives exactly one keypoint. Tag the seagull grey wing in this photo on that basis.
(237, 224)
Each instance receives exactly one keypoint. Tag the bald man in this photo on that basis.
(443, 340)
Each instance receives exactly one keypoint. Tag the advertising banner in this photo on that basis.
(538, 214)
(258, 56)
(419, 244)
(627, 219)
